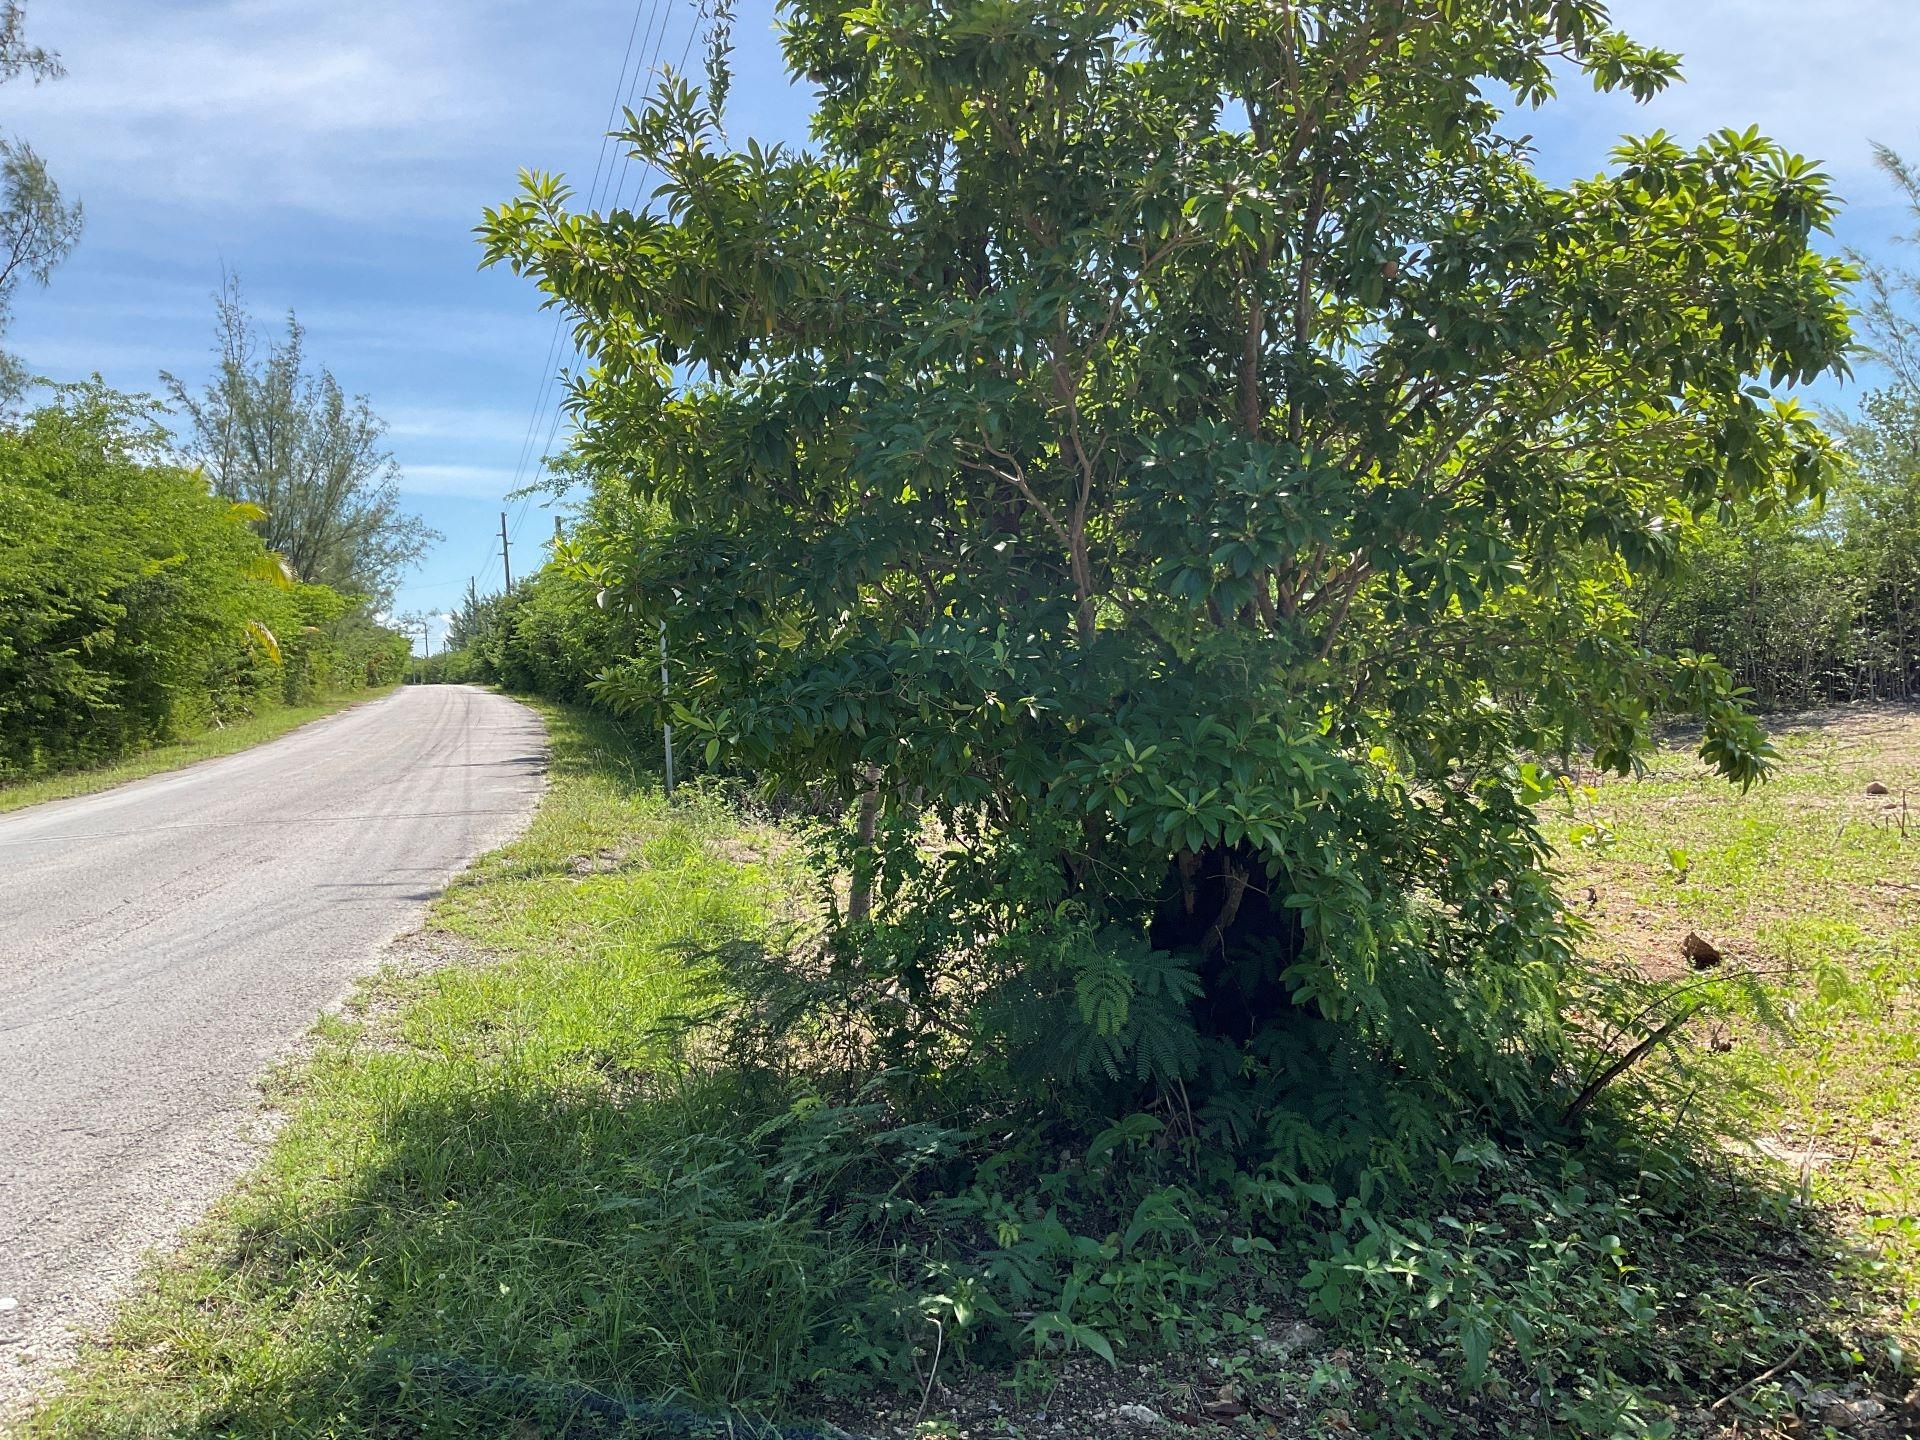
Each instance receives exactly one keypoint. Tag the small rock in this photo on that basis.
(1139, 1415)
(1876, 788)
(7, 1302)
(1906, 1415)
(1832, 1407)
(1701, 954)
(1866, 1410)
(1290, 1342)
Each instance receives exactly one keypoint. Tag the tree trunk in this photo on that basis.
(1223, 906)
(860, 900)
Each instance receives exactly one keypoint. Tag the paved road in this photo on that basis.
(162, 943)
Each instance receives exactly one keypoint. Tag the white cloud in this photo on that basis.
(466, 331)
(1824, 79)
(367, 107)
(490, 427)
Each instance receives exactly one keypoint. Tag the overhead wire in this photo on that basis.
(623, 86)
(613, 203)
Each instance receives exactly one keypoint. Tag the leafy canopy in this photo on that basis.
(1180, 454)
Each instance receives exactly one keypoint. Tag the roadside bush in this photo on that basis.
(1167, 537)
(550, 636)
(1168, 472)
(449, 667)
(136, 606)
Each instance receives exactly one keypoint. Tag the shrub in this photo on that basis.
(135, 605)
(1163, 467)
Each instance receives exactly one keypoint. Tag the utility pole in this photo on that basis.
(506, 564)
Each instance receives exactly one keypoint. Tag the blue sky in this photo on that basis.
(335, 154)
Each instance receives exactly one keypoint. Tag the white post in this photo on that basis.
(666, 725)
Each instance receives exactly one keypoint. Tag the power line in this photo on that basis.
(621, 85)
(559, 412)
(653, 68)
(603, 169)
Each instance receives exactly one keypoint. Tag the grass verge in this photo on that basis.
(499, 1177)
(460, 1174)
(1810, 882)
(206, 745)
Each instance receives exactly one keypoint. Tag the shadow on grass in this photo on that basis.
(473, 1231)
(633, 1261)
(500, 1254)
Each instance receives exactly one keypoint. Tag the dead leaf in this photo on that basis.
(1701, 954)
(1227, 1405)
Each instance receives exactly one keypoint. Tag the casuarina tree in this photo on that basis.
(1176, 469)
(38, 225)
(280, 434)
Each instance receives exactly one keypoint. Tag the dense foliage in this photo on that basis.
(1182, 458)
(135, 604)
(548, 636)
(1820, 603)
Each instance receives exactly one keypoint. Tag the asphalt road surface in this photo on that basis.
(162, 943)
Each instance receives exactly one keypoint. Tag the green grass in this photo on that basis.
(485, 1160)
(499, 1159)
(206, 745)
(1814, 883)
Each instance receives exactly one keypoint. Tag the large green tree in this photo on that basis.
(1176, 459)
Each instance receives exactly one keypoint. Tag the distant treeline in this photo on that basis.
(1821, 604)
(547, 637)
(137, 606)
